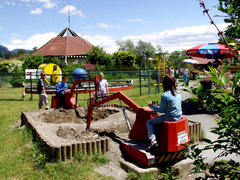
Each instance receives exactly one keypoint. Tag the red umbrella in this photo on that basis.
(211, 51)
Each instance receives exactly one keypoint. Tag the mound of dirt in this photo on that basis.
(78, 115)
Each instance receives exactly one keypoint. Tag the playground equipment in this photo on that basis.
(79, 75)
(161, 66)
(161, 63)
(53, 72)
(172, 137)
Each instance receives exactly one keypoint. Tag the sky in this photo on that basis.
(172, 24)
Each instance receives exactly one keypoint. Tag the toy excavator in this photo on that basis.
(172, 136)
(70, 101)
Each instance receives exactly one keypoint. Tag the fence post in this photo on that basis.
(158, 80)
(149, 82)
(31, 84)
(1, 75)
(140, 84)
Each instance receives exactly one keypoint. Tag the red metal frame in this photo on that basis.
(70, 101)
(118, 95)
(170, 136)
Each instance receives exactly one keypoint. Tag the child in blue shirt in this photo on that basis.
(170, 105)
(61, 88)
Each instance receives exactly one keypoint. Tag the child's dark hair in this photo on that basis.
(169, 84)
(64, 77)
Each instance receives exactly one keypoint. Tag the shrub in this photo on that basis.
(228, 122)
(17, 79)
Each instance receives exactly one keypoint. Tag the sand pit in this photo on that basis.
(60, 128)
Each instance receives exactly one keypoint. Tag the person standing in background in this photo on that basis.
(172, 71)
(41, 91)
(185, 73)
(102, 85)
(176, 75)
(167, 70)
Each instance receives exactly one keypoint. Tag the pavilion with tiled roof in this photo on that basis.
(67, 46)
(204, 62)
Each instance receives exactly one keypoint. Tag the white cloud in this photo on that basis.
(26, 1)
(36, 11)
(10, 3)
(36, 40)
(106, 26)
(107, 42)
(180, 38)
(169, 40)
(136, 20)
(48, 3)
(73, 11)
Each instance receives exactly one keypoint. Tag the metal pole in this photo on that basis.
(140, 84)
(149, 81)
(158, 80)
(31, 85)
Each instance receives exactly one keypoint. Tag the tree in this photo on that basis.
(98, 57)
(20, 52)
(1, 54)
(159, 49)
(34, 48)
(178, 56)
(53, 60)
(174, 55)
(145, 50)
(125, 59)
(31, 61)
(17, 78)
(8, 55)
(127, 45)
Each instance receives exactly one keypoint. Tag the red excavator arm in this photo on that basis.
(70, 101)
(119, 95)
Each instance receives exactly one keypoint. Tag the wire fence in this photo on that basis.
(139, 79)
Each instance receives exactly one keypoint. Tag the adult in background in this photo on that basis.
(176, 75)
(102, 85)
(170, 105)
(61, 88)
(167, 70)
(172, 71)
(41, 91)
(185, 73)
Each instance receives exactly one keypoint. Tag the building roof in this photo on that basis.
(71, 44)
(203, 60)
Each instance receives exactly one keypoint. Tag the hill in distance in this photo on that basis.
(4, 50)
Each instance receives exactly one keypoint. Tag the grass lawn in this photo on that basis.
(19, 156)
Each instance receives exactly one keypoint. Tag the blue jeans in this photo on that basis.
(157, 121)
(185, 78)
